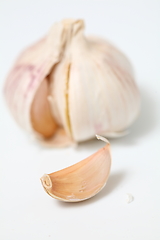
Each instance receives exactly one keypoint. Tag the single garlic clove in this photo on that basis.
(103, 96)
(82, 180)
(51, 133)
(42, 120)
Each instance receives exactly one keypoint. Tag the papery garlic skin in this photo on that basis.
(91, 85)
(103, 97)
(30, 69)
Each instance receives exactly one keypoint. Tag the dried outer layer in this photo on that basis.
(30, 70)
(90, 85)
(100, 92)
(82, 180)
(105, 99)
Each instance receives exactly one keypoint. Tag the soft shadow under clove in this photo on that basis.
(114, 182)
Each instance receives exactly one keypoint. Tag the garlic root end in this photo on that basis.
(46, 181)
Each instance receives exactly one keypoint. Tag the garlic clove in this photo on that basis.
(43, 121)
(82, 180)
(105, 89)
(41, 118)
(59, 90)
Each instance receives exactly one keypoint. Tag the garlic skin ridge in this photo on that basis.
(82, 180)
(91, 89)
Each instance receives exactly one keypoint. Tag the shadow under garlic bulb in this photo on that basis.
(68, 87)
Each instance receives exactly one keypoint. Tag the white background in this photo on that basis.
(27, 212)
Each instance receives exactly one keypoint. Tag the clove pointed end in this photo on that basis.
(102, 138)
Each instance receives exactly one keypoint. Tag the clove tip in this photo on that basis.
(102, 138)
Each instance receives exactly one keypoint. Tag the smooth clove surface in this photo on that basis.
(42, 120)
(82, 180)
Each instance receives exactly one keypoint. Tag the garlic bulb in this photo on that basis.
(82, 180)
(67, 87)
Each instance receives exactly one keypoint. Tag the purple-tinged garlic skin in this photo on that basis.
(90, 86)
(30, 69)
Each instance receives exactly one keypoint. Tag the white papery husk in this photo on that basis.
(92, 88)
